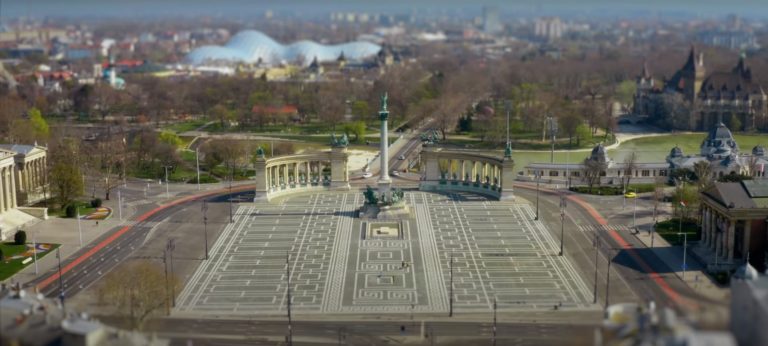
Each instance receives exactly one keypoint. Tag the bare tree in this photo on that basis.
(593, 170)
(138, 290)
(703, 171)
(630, 165)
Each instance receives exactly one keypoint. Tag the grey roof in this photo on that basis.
(19, 148)
(756, 188)
(719, 142)
(730, 195)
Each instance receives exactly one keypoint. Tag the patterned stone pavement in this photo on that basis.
(488, 249)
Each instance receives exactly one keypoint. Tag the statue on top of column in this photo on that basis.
(259, 152)
(384, 102)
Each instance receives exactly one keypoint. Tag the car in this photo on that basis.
(401, 157)
(630, 195)
(395, 173)
(367, 175)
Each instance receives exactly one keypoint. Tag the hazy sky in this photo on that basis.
(628, 8)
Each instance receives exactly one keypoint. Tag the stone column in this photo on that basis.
(507, 176)
(307, 172)
(2, 192)
(747, 237)
(12, 178)
(704, 230)
(463, 170)
(712, 228)
(384, 180)
(339, 172)
(263, 179)
(296, 173)
(731, 238)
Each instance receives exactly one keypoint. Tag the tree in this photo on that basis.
(625, 91)
(20, 238)
(689, 195)
(170, 138)
(734, 123)
(582, 133)
(39, 125)
(222, 114)
(703, 171)
(361, 110)
(138, 290)
(630, 165)
(569, 123)
(356, 128)
(66, 181)
(593, 170)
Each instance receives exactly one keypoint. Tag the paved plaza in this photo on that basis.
(341, 264)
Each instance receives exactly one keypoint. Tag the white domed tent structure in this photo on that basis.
(253, 47)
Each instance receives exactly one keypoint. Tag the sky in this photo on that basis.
(159, 8)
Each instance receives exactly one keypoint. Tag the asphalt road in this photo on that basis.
(634, 282)
(84, 273)
(250, 332)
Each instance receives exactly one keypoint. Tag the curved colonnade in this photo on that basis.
(459, 170)
(288, 174)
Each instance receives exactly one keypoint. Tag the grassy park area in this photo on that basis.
(14, 256)
(669, 230)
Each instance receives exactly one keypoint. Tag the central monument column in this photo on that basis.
(384, 182)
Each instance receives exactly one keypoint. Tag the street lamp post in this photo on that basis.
(167, 290)
(685, 247)
(288, 295)
(197, 162)
(61, 280)
(231, 177)
(167, 193)
(205, 226)
(562, 222)
(79, 226)
(450, 298)
(594, 287)
(494, 321)
(119, 204)
(170, 247)
(34, 245)
(634, 215)
(538, 178)
(608, 278)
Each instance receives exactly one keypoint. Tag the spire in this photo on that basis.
(646, 74)
(701, 60)
(691, 62)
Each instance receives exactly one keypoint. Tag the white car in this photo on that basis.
(367, 174)
(401, 157)
(395, 173)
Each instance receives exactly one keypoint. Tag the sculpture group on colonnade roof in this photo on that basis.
(340, 142)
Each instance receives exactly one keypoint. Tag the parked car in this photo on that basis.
(630, 195)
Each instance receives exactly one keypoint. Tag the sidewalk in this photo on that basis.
(65, 231)
(695, 277)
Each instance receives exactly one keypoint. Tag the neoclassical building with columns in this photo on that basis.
(22, 175)
(733, 223)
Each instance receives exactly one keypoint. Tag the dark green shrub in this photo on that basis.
(20, 238)
(96, 203)
(70, 210)
(1, 255)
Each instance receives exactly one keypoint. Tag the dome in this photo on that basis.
(758, 150)
(676, 152)
(719, 143)
(598, 153)
(252, 46)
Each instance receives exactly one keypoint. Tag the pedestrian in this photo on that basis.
(402, 330)
(97, 223)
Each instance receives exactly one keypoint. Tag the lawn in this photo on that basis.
(83, 206)
(614, 190)
(185, 126)
(669, 230)
(656, 149)
(9, 267)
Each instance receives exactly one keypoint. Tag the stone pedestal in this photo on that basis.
(507, 178)
(261, 189)
(385, 212)
(339, 172)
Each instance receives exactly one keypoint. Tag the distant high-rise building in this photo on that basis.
(491, 22)
(549, 28)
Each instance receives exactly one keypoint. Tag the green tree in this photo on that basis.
(625, 91)
(582, 132)
(361, 109)
(734, 123)
(356, 128)
(38, 123)
(689, 195)
(170, 138)
(66, 181)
